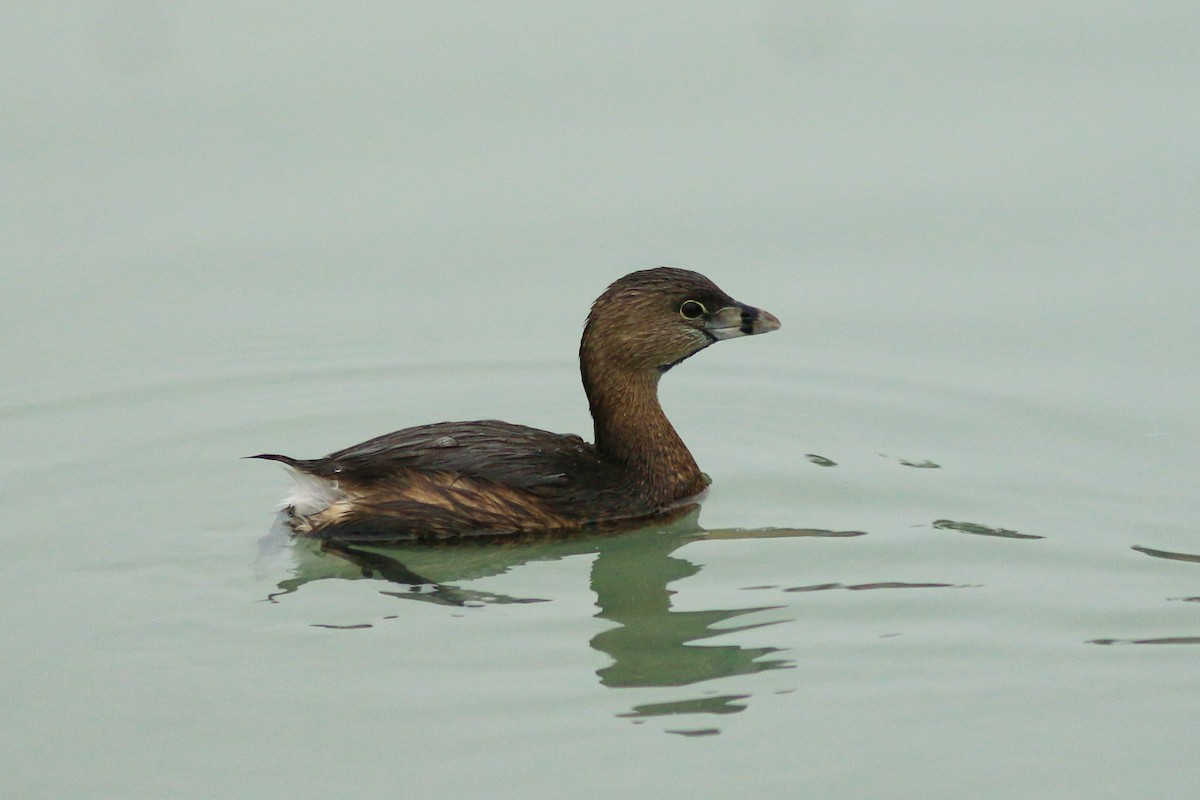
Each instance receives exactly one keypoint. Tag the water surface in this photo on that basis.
(951, 545)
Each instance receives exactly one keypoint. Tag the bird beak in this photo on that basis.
(733, 321)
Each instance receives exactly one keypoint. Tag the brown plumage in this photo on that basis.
(488, 477)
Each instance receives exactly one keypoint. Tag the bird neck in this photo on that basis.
(633, 432)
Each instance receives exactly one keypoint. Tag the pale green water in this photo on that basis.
(280, 227)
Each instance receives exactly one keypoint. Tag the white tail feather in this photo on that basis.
(310, 494)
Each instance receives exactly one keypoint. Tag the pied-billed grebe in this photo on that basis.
(488, 477)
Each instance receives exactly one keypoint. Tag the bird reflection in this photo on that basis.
(651, 645)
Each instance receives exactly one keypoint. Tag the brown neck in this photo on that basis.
(633, 432)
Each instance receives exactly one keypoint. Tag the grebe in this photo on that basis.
(454, 479)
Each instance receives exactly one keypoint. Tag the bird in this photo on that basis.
(450, 480)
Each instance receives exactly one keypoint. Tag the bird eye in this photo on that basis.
(692, 309)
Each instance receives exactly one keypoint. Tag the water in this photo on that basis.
(950, 546)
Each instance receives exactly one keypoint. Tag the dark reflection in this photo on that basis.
(697, 732)
(981, 530)
(923, 463)
(1160, 640)
(331, 559)
(1166, 554)
(860, 587)
(651, 644)
(1170, 556)
(722, 704)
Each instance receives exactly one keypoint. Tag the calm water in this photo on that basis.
(951, 548)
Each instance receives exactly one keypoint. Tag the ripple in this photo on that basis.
(1159, 640)
(777, 533)
(925, 464)
(719, 704)
(1167, 554)
(859, 587)
(696, 732)
(981, 530)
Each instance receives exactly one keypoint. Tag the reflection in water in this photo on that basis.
(651, 644)
(1170, 556)
(923, 464)
(1160, 640)
(697, 732)
(859, 587)
(330, 559)
(1167, 554)
(981, 530)
(716, 704)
